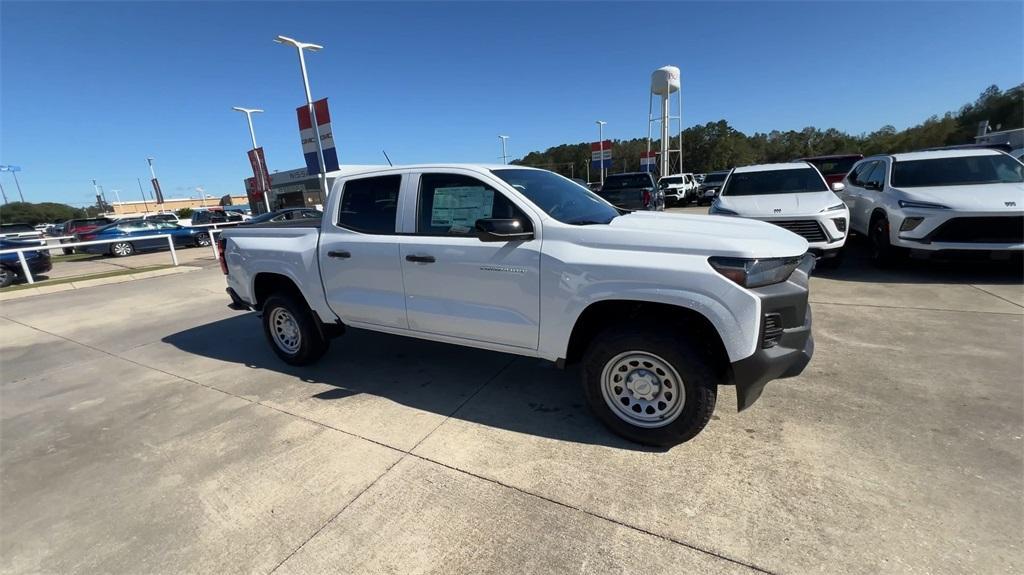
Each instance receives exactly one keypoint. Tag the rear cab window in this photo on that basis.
(370, 205)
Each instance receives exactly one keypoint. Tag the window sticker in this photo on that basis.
(460, 207)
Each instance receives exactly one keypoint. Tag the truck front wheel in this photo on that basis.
(292, 331)
(649, 386)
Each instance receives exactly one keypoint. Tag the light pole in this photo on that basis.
(264, 185)
(14, 172)
(504, 155)
(3, 193)
(117, 196)
(143, 192)
(299, 47)
(600, 145)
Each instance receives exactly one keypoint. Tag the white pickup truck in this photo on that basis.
(658, 309)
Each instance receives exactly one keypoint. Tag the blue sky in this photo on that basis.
(90, 89)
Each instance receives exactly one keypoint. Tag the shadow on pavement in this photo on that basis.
(524, 395)
(858, 267)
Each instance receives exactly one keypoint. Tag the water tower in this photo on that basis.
(665, 81)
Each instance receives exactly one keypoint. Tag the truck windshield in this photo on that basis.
(957, 171)
(671, 180)
(715, 178)
(774, 182)
(562, 199)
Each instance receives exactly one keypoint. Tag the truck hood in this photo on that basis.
(780, 205)
(975, 198)
(690, 233)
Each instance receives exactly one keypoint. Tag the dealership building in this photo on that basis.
(296, 188)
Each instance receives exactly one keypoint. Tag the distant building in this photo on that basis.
(170, 205)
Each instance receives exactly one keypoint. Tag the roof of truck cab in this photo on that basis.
(347, 170)
(772, 167)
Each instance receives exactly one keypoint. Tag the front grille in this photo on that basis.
(810, 230)
(982, 230)
(772, 330)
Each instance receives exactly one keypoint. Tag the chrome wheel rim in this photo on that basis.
(122, 249)
(642, 389)
(285, 331)
(203, 240)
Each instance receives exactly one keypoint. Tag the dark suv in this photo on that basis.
(215, 217)
(633, 191)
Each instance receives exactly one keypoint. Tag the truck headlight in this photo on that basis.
(752, 273)
(717, 209)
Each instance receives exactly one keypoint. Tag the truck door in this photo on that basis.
(359, 253)
(458, 285)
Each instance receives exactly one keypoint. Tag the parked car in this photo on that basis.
(659, 309)
(19, 232)
(82, 226)
(699, 178)
(708, 189)
(286, 215)
(162, 217)
(794, 196)
(10, 266)
(633, 191)
(203, 217)
(834, 167)
(942, 202)
(128, 230)
(679, 189)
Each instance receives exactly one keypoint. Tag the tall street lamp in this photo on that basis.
(504, 155)
(600, 145)
(264, 185)
(300, 47)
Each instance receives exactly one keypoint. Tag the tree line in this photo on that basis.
(718, 146)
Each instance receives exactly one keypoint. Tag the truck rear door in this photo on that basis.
(359, 252)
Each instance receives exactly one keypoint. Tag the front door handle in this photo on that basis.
(420, 259)
(343, 255)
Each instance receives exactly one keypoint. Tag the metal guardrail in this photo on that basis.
(28, 273)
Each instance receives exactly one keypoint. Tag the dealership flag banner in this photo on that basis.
(308, 135)
(259, 166)
(595, 155)
(648, 161)
(156, 191)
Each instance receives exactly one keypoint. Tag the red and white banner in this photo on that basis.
(260, 172)
(596, 159)
(308, 136)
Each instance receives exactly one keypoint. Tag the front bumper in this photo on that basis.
(795, 347)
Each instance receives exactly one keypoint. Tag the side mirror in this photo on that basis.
(501, 230)
(838, 187)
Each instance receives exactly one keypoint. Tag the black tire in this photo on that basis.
(883, 253)
(68, 251)
(696, 376)
(202, 240)
(122, 249)
(7, 276)
(310, 343)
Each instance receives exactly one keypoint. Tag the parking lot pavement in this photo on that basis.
(104, 264)
(148, 428)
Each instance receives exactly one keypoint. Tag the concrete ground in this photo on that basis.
(103, 264)
(145, 427)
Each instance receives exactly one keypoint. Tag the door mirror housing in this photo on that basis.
(838, 186)
(502, 230)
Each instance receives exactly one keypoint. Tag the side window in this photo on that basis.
(858, 173)
(370, 205)
(877, 175)
(450, 205)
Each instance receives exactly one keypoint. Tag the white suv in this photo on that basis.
(942, 200)
(794, 196)
(679, 189)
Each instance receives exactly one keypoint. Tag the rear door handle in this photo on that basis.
(420, 259)
(339, 255)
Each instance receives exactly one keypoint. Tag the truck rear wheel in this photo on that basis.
(650, 386)
(291, 330)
